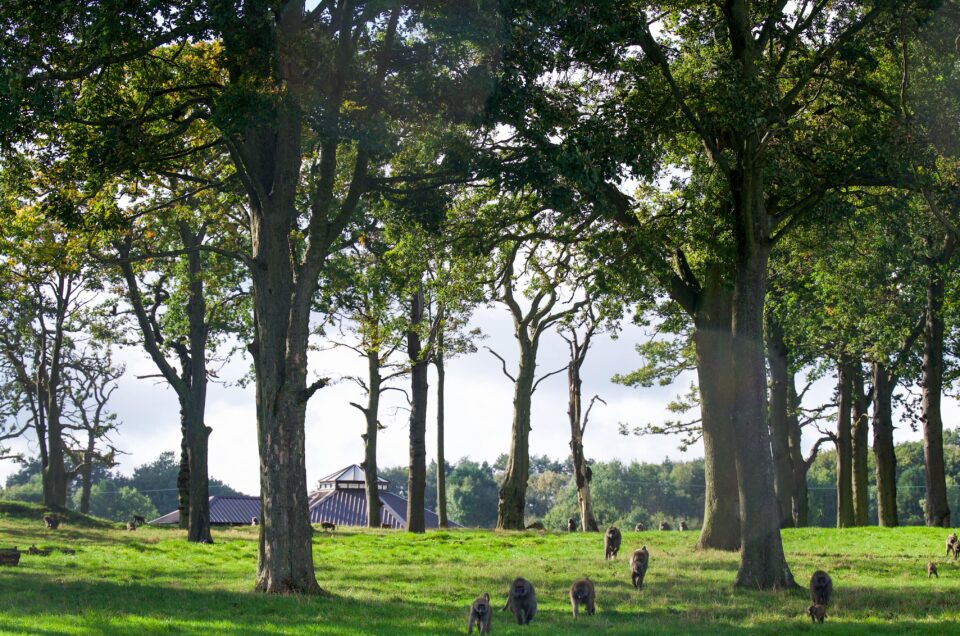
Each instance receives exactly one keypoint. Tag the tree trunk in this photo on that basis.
(844, 447)
(199, 526)
(441, 458)
(861, 450)
(936, 509)
(86, 474)
(885, 459)
(800, 504)
(717, 382)
(581, 474)
(183, 475)
(762, 561)
(372, 415)
(513, 491)
(778, 419)
(281, 321)
(417, 480)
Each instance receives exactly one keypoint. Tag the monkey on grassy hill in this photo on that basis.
(638, 566)
(254, 521)
(953, 545)
(52, 522)
(640, 527)
(326, 525)
(536, 525)
(611, 542)
(817, 613)
(131, 526)
(821, 588)
(480, 615)
(571, 525)
(521, 600)
(932, 570)
(664, 526)
(583, 594)
(139, 520)
(683, 526)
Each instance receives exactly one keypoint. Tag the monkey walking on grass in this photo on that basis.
(953, 545)
(583, 594)
(480, 615)
(932, 570)
(638, 566)
(521, 600)
(611, 542)
(817, 613)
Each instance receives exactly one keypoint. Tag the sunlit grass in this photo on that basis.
(387, 582)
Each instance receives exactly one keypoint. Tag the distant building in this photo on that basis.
(341, 499)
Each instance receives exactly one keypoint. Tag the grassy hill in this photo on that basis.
(383, 582)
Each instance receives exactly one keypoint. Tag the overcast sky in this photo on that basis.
(479, 403)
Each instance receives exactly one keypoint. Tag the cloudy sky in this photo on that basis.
(479, 401)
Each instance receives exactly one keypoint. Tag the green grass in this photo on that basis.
(383, 582)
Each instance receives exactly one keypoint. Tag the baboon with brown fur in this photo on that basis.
(254, 521)
(480, 615)
(131, 526)
(571, 525)
(640, 528)
(953, 545)
(521, 600)
(326, 525)
(52, 522)
(536, 525)
(817, 613)
(583, 594)
(638, 566)
(139, 520)
(683, 526)
(821, 588)
(611, 542)
(665, 525)
(932, 570)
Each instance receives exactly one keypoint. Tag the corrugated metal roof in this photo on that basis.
(340, 506)
(352, 472)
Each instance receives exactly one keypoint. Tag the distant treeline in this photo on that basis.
(631, 493)
(150, 491)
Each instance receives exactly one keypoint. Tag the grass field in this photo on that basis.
(387, 582)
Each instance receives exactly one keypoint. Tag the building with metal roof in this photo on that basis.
(340, 499)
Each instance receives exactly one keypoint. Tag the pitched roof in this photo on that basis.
(223, 510)
(352, 473)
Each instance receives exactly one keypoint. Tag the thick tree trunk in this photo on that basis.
(779, 424)
(54, 474)
(285, 556)
(717, 382)
(199, 527)
(372, 415)
(861, 450)
(844, 447)
(513, 491)
(762, 561)
(936, 509)
(417, 480)
(883, 450)
(800, 504)
(581, 472)
(183, 475)
(441, 458)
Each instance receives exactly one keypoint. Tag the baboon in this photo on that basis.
(571, 525)
(664, 525)
(536, 525)
(640, 527)
(521, 600)
(638, 566)
(582, 593)
(34, 550)
(611, 542)
(254, 521)
(131, 526)
(683, 526)
(52, 522)
(953, 545)
(326, 525)
(821, 587)
(932, 570)
(386, 525)
(480, 615)
(817, 613)
(137, 519)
